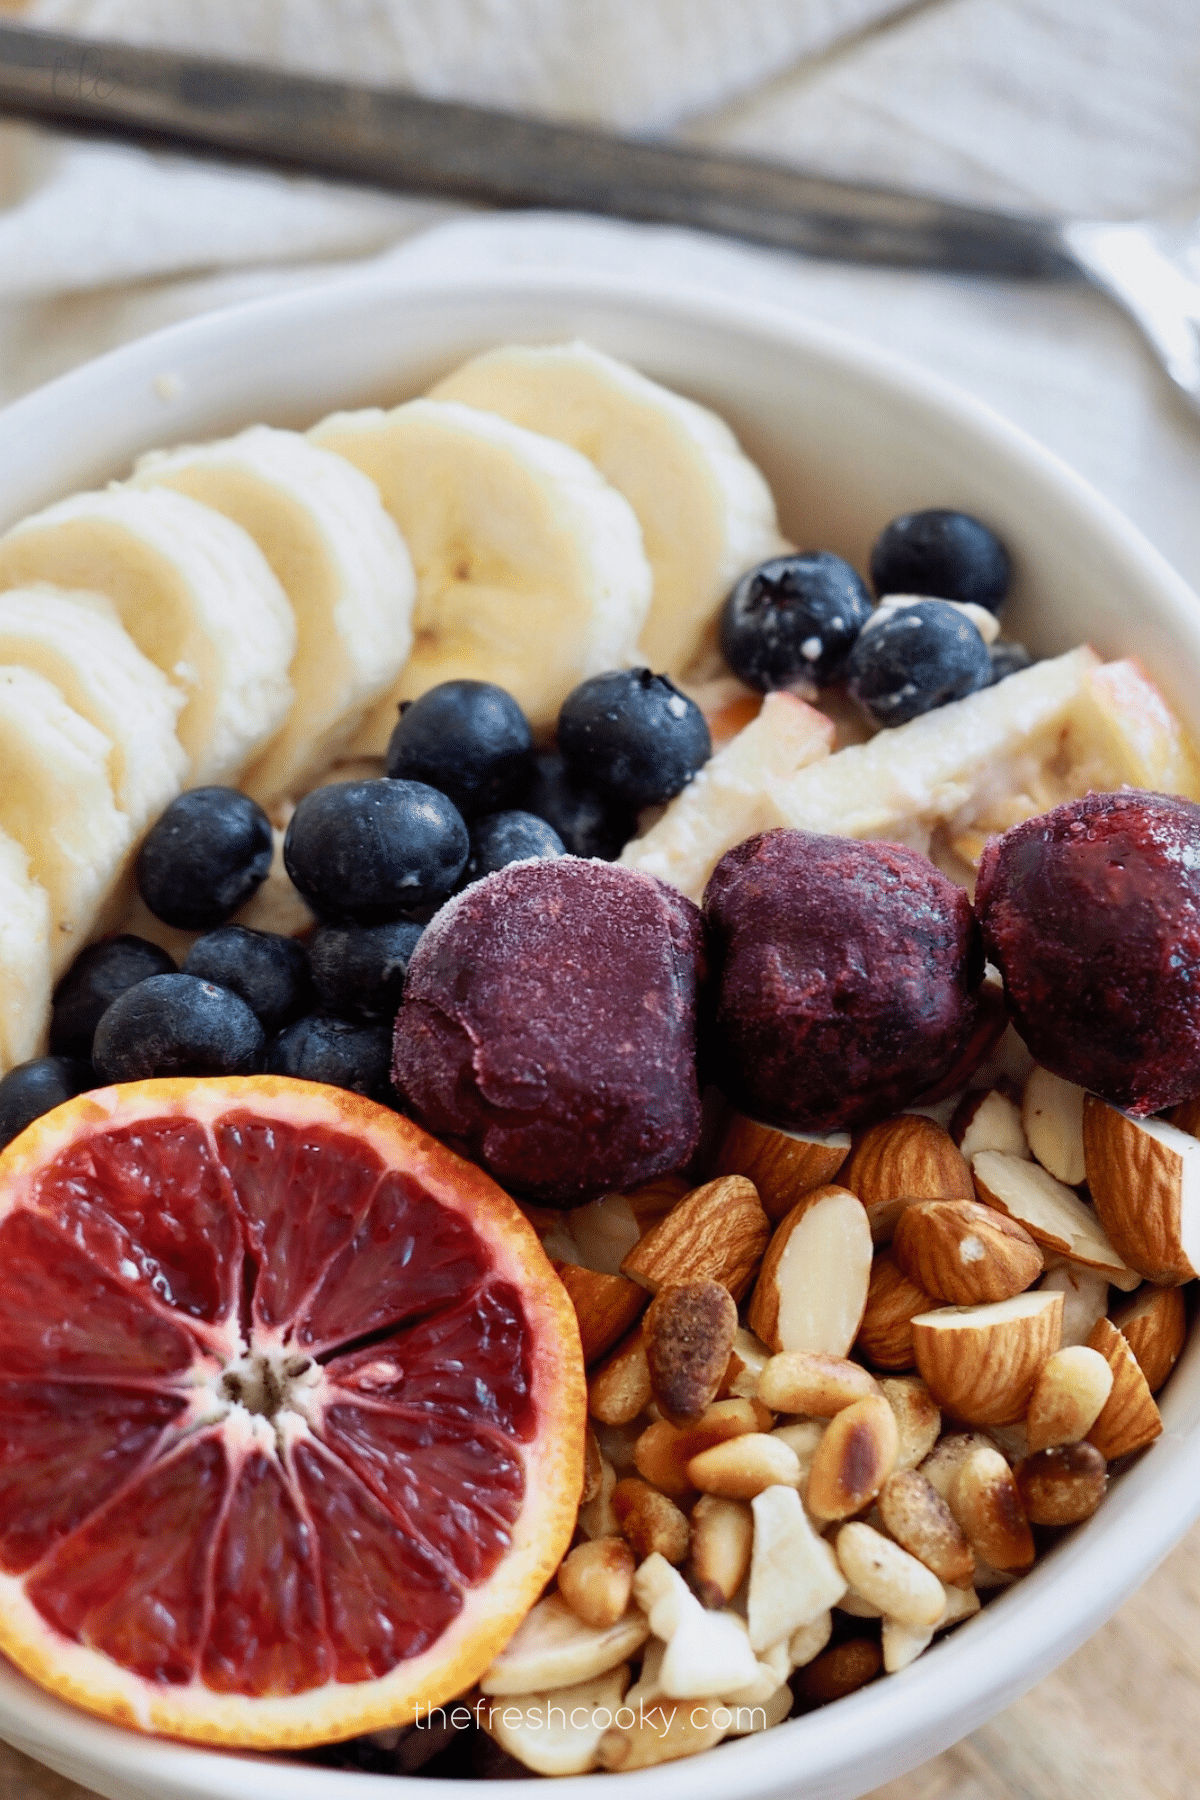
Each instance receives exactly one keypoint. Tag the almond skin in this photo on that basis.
(900, 1159)
(965, 1253)
(1130, 1419)
(1154, 1325)
(783, 1165)
(893, 1302)
(718, 1232)
(689, 1331)
(605, 1305)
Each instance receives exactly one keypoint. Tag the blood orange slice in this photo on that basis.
(291, 1412)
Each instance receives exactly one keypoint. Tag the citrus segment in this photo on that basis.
(291, 1411)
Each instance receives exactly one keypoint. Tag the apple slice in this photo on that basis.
(980, 1363)
(1053, 1216)
(1145, 1179)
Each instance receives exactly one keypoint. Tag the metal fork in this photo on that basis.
(397, 140)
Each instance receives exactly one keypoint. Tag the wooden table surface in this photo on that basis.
(1119, 1721)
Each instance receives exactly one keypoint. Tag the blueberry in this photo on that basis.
(92, 983)
(359, 970)
(365, 852)
(469, 739)
(917, 657)
(177, 1025)
(791, 617)
(633, 734)
(33, 1088)
(945, 555)
(336, 1051)
(209, 852)
(1007, 659)
(509, 837)
(268, 971)
(586, 821)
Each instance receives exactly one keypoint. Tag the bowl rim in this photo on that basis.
(891, 1725)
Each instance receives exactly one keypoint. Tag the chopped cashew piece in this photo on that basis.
(552, 1648)
(794, 1575)
(903, 1644)
(558, 1732)
(708, 1653)
(810, 1640)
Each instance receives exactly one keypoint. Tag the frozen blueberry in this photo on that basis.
(469, 739)
(359, 970)
(947, 555)
(364, 852)
(92, 983)
(177, 1025)
(338, 1052)
(587, 822)
(908, 661)
(33, 1088)
(270, 972)
(1007, 659)
(209, 852)
(509, 837)
(791, 617)
(634, 734)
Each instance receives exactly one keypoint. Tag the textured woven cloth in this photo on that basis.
(1075, 106)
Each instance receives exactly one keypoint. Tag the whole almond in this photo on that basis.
(783, 1165)
(902, 1159)
(980, 1362)
(965, 1253)
(689, 1330)
(920, 1520)
(812, 1287)
(718, 1232)
(808, 1382)
(1068, 1397)
(1154, 1325)
(650, 1523)
(853, 1460)
(1130, 1420)
(605, 1306)
(619, 1387)
(596, 1580)
(722, 1539)
(893, 1302)
(1063, 1485)
(987, 1504)
(840, 1671)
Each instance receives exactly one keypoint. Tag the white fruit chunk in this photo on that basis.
(57, 802)
(733, 796)
(25, 978)
(77, 642)
(196, 596)
(1123, 733)
(1052, 1214)
(705, 510)
(530, 567)
(945, 768)
(343, 566)
(552, 1648)
(794, 1574)
(556, 1732)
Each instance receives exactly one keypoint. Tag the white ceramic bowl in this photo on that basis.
(848, 438)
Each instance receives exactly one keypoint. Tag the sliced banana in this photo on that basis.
(25, 978)
(343, 565)
(196, 596)
(706, 512)
(733, 795)
(530, 567)
(77, 642)
(57, 802)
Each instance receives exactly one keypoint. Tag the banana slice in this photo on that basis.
(706, 512)
(57, 802)
(77, 642)
(25, 978)
(733, 796)
(530, 567)
(194, 593)
(342, 564)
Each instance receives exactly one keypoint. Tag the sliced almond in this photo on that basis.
(1130, 1419)
(1052, 1114)
(884, 1573)
(808, 1382)
(1144, 1177)
(605, 1305)
(811, 1290)
(980, 1362)
(964, 1252)
(918, 1418)
(1154, 1325)
(1053, 1216)
(794, 1575)
(722, 1538)
(619, 1387)
(1085, 1297)
(1062, 1485)
(986, 1119)
(718, 1232)
(893, 1302)
(901, 1159)
(987, 1504)
(689, 1331)
(919, 1519)
(596, 1580)
(551, 1648)
(783, 1165)
(1068, 1397)
(856, 1455)
(650, 1523)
